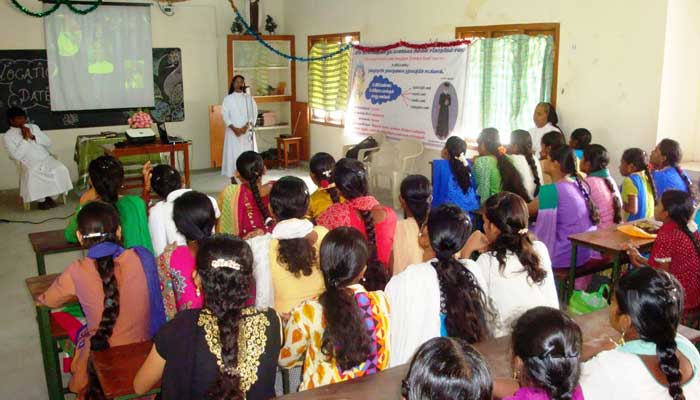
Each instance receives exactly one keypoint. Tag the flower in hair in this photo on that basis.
(326, 173)
(522, 232)
(462, 157)
(221, 263)
(501, 150)
(324, 184)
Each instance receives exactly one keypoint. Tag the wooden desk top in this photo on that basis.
(387, 384)
(156, 147)
(37, 285)
(117, 366)
(609, 240)
(51, 242)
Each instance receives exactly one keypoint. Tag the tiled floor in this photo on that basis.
(21, 368)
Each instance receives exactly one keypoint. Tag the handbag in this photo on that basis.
(367, 143)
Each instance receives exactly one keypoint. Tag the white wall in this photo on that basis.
(199, 28)
(611, 54)
(680, 84)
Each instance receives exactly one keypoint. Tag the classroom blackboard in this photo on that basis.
(24, 82)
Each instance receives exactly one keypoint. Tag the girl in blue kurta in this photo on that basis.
(453, 181)
(638, 192)
(667, 172)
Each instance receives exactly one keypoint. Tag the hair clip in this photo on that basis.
(94, 235)
(327, 173)
(522, 231)
(221, 263)
(462, 157)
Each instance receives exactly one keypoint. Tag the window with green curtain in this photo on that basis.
(328, 79)
(507, 77)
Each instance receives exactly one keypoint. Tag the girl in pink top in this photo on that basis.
(603, 189)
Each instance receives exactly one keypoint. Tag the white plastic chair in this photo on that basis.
(365, 155)
(394, 161)
(26, 205)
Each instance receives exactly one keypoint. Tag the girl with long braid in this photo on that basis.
(245, 207)
(442, 296)
(321, 172)
(225, 350)
(676, 249)
(652, 361)
(667, 173)
(453, 180)
(638, 191)
(565, 207)
(493, 170)
(415, 201)
(522, 156)
(117, 288)
(603, 189)
(364, 213)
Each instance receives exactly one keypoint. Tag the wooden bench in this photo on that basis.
(117, 366)
(50, 334)
(49, 242)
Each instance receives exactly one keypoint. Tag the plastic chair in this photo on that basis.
(394, 161)
(20, 170)
(365, 155)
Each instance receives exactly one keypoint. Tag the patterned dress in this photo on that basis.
(304, 334)
(240, 214)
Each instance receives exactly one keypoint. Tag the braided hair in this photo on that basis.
(653, 299)
(523, 140)
(165, 179)
(194, 215)
(350, 177)
(251, 168)
(511, 179)
(566, 158)
(671, 149)
(508, 212)
(225, 290)
(343, 255)
(597, 156)
(679, 206)
(416, 193)
(467, 309)
(107, 175)
(321, 166)
(549, 343)
(638, 159)
(289, 199)
(456, 149)
(98, 222)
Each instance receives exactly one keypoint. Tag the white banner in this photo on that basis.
(408, 93)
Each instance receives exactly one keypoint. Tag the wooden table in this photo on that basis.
(117, 366)
(49, 242)
(155, 148)
(386, 385)
(608, 241)
(50, 334)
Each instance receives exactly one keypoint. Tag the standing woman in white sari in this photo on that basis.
(239, 112)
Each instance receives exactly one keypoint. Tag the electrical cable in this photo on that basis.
(9, 221)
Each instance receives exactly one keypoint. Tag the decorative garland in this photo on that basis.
(54, 7)
(415, 46)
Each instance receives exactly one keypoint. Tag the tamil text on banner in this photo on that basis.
(407, 92)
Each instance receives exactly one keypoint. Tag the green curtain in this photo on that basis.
(507, 77)
(328, 79)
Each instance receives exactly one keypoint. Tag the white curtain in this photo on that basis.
(100, 60)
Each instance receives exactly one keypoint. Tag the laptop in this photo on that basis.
(164, 138)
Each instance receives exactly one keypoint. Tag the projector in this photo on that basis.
(140, 136)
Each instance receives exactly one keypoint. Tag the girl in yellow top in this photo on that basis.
(638, 192)
(294, 246)
(344, 334)
(321, 167)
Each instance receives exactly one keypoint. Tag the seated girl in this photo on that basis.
(321, 171)
(521, 154)
(294, 247)
(676, 249)
(452, 301)
(225, 350)
(244, 207)
(194, 218)
(493, 171)
(516, 268)
(117, 288)
(667, 172)
(106, 178)
(447, 368)
(652, 360)
(549, 141)
(415, 201)
(579, 140)
(638, 192)
(343, 334)
(603, 189)
(364, 213)
(547, 347)
(565, 208)
(546, 119)
(453, 181)
(167, 183)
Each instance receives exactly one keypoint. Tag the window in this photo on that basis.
(511, 69)
(328, 79)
